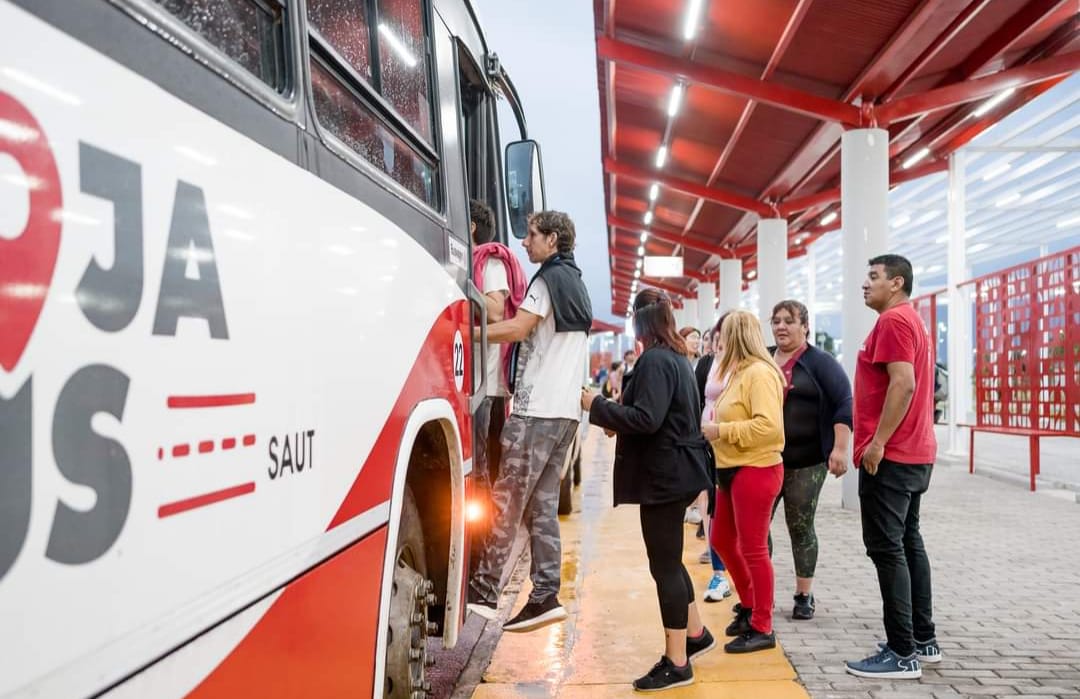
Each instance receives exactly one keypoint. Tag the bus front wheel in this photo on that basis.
(410, 596)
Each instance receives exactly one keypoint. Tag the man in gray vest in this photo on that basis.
(551, 327)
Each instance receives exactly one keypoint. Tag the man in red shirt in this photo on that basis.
(895, 448)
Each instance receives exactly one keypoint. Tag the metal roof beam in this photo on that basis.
(779, 96)
(668, 235)
(962, 93)
(714, 194)
(666, 286)
(830, 196)
(1012, 31)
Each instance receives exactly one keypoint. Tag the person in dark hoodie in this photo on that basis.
(549, 368)
(662, 462)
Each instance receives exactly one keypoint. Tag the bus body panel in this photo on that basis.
(223, 342)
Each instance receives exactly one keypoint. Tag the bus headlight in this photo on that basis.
(474, 511)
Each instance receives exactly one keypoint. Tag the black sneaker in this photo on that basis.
(700, 645)
(752, 640)
(536, 614)
(665, 675)
(804, 607)
(741, 624)
(480, 606)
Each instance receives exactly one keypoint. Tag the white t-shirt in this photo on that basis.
(495, 279)
(551, 365)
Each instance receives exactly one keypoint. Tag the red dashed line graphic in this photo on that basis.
(175, 508)
(205, 446)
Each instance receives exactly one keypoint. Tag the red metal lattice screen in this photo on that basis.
(1027, 346)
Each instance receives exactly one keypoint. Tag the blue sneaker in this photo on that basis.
(928, 651)
(886, 665)
(718, 588)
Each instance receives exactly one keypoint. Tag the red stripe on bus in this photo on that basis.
(211, 401)
(181, 450)
(206, 446)
(249, 439)
(175, 508)
(228, 443)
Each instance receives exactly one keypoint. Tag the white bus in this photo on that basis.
(236, 376)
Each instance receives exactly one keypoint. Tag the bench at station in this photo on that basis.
(1032, 434)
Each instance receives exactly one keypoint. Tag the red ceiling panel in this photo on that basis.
(836, 49)
(746, 30)
(839, 38)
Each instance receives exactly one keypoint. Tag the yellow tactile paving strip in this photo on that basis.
(613, 634)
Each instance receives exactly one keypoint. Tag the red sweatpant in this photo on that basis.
(740, 534)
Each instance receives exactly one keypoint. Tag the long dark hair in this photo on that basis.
(654, 321)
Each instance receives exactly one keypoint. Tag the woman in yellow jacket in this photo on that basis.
(747, 435)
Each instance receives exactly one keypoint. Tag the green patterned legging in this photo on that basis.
(800, 493)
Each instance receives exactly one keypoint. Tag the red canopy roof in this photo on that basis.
(770, 86)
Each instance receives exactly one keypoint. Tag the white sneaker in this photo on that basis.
(718, 588)
(692, 516)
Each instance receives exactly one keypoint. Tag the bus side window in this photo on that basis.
(251, 32)
(371, 86)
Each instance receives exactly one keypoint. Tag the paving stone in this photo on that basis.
(977, 531)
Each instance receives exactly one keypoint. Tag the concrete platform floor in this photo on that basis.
(614, 633)
(1007, 603)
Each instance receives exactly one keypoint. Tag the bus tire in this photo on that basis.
(410, 596)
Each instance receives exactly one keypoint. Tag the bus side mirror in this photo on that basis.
(524, 184)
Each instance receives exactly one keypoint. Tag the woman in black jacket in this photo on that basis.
(661, 463)
(817, 428)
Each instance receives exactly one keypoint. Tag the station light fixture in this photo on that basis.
(828, 218)
(648, 217)
(661, 156)
(641, 251)
(1069, 222)
(637, 274)
(751, 274)
(977, 247)
(993, 102)
(995, 171)
(654, 191)
(644, 236)
(675, 101)
(1037, 163)
(927, 217)
(916, 158)
(1007, 199)
(901, 220)
(1040, 193)
(638, 265)
(693, 16)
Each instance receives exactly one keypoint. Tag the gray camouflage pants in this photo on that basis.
(527, 491)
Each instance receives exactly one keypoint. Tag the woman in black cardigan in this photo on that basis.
(817, 429)
(661, 463)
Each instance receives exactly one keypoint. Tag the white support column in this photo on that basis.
(772, 269)
(864, 206)
(706, 305)
(959, 347)
(811, 290)
(730, 285)
(689, 312)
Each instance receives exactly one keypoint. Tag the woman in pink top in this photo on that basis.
(718, 587)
